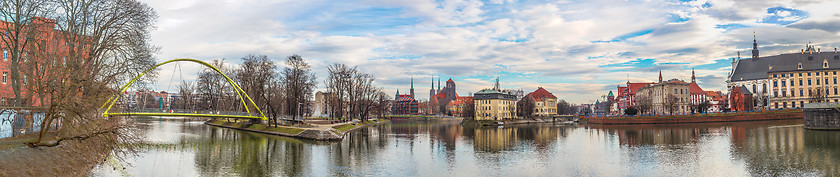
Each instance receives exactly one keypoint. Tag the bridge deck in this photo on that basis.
(181, 115)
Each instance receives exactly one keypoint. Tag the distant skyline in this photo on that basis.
(578, 50)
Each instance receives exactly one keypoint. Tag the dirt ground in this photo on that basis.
(70, 158)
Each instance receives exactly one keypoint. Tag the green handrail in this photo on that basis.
(239, 91)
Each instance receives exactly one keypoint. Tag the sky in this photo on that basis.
(578, 50)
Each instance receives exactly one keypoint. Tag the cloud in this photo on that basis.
(578, 50)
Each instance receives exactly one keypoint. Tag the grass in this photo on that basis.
(344, 127)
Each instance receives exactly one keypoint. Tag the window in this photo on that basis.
(801, 103)
(783, 83)
(791, 74)
(818, 73)
(4, 77)
(809, 81)
(774, 75)
(818, 82)
(835, 80)
(826, 81)
(784, 104)
(775, 93)
(800, 81)
(800, 67)
(5, 55)
(775, 84)
(826, 73)
(792, 104)
(809, 74)
(800, 93)
(784, 93)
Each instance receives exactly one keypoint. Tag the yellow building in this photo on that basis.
(806, 77)
(545, 102)
(494, 104)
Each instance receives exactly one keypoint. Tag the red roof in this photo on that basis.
(460, 100)
(693, 88)
(636, 86)
(540, 93)
(714, 95)
(450, 80)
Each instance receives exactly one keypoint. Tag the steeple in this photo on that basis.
(412, 87)
(432, 89)
(693, 79)
(438, 83)
(755, 48)
(660, 76)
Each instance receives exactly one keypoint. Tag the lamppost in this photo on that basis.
(297, 111)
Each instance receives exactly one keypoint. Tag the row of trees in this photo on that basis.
(351, 93)
(287, 92)
(277, 92)
(69, 55)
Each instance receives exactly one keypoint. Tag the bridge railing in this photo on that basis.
(183, 111)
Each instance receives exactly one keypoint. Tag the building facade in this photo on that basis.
(494, 104)
(668, 97)
(740, 99)
(626, 96)
(456, 107)
(752, 74)
(545, 102)
(806, 77)
(405, 104)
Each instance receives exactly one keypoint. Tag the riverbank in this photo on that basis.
(325, 132)
(70, 158)
(703, 118)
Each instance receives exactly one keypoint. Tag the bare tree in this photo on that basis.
(564, 108)
(671, 103)
(468, 111)
(525, 107)
(644, 104)
(816, 97)
(383, 103)
(105, 42)
(22, 20)
(186, 90)
(298, 82)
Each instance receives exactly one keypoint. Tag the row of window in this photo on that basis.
(801, 92)
(825, 73)
(784, 82)
(794, 104)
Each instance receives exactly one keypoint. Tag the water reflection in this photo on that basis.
(444, 148)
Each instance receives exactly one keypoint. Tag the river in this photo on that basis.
(180, 147)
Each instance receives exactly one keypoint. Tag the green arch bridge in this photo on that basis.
(239, 92)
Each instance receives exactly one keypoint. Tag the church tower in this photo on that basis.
(412, 87)
(432, 89)
(755, 49)
(693, 79)
(660, 76)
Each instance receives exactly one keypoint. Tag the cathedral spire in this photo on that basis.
(692, 76)
(755, 48)
(660, 76)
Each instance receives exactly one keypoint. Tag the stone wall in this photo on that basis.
(822, 118)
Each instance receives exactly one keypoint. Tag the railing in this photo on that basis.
(184, 113)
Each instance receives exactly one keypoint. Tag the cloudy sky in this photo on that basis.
(579, 50)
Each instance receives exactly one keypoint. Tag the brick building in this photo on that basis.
(49, 42)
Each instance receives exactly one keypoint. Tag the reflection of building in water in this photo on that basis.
(659, 136)
(786, 151)
(542, 136)
(494, 139)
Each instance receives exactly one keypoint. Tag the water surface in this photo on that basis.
(444, 148)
